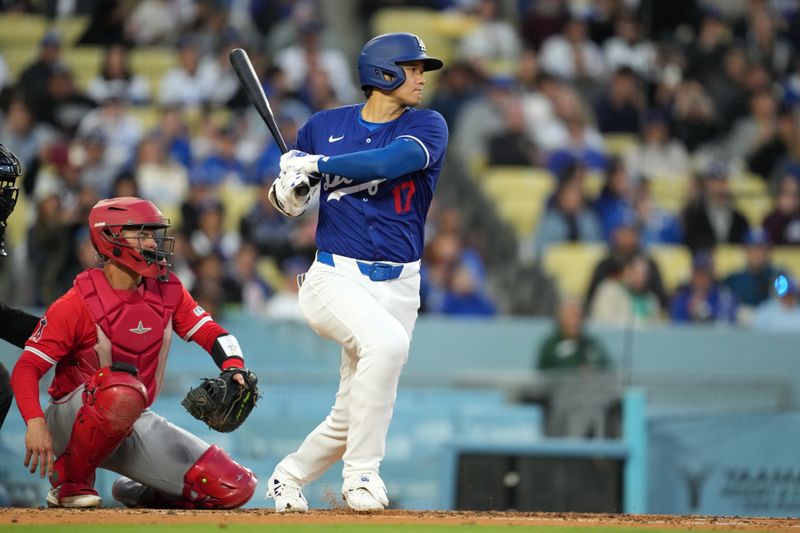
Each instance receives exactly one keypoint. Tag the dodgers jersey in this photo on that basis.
(381, 219)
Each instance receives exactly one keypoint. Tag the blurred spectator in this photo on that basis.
(106, 24)
(97, 173)
(624, 299)
(753, 285)
(49, 248)
(173, 130)
(624, 245)
(222, 166)
(569, 346)
(157, 22)
(22, 135)
(493, 44)
(33, 81)
(182, 85)
(730, 89)
(628, 49)
(707, 51)
(694, 120)
(781, 313)
(160, 178)
(568, 219)
(703, 299)
(783, 223)
(571, 55)
(483, 117)
(764, 45)
(284, 304)
(465, 295)
(269, 231)
(571, 127)
(614, 204)
(789, 163)
(619, 110)
(211, 237)
(656, 225)
(658, 155)
(207, 289)
(215, 73)
(300, 59)
(513, 145)
(243, 284)
(541, 20)
(125, 185)
(457, 84)
(770, 155)
(201, 192)
(579, 148)
(711, 218)
(752, 132)
(62, 105)
(444, 255)
(117, 78)
(5, 73)
(121, 128)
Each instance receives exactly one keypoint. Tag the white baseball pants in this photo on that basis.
(373, 322)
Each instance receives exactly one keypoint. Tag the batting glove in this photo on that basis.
(283, 195)
(297, 162)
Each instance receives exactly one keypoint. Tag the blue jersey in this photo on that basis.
(381, 219)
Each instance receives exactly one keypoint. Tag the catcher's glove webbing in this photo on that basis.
(221, 402)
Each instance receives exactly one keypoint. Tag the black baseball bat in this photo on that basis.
(255, 92)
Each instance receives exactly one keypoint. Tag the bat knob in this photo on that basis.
(301, 190)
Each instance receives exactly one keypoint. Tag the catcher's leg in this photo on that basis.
(6, 396)
(165, 466)
(113, 400)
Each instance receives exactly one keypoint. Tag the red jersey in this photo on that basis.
(67, 337)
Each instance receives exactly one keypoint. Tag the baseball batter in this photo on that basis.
(108, 338)
(379, 163)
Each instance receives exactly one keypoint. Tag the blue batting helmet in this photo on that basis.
(383, 55)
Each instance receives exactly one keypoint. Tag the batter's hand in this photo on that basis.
(284, 196)
(39, 447)
(297, 162)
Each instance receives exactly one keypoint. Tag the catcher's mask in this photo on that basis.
(133, 233)
(10, 170)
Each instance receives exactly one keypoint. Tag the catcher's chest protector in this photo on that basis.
(137, 332)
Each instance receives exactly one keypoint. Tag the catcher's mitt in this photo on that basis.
(221, 402)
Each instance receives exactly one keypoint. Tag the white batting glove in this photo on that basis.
(297, 162)
(283, 194)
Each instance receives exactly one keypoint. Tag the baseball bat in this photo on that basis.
(255, 92)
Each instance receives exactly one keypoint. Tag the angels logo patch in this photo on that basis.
(37, 334)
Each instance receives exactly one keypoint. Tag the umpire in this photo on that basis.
(15, 325)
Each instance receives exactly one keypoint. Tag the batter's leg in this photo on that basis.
(326, 443)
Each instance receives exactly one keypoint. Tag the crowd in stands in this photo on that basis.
(708, 91)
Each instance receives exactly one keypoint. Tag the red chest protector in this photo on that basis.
(136, 331)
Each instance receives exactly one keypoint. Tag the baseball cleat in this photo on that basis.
(83, 498)
(287, 495)
(365, 493)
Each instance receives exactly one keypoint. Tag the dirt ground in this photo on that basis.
(263, 516)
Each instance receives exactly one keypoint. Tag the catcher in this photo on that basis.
(108, 338)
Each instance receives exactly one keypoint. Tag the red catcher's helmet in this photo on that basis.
(109, 217)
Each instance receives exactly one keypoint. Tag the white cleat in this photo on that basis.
(288, 496)
(365, 493)
(77, 501)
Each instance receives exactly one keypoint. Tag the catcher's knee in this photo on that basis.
(216, 481)
(115, 398)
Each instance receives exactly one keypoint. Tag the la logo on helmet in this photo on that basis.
(420, 44)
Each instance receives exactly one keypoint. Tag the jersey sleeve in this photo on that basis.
(429, 130)
(304, 139)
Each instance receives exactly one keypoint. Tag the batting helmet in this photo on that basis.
(108, 218)
(10, 170)
(385, 53)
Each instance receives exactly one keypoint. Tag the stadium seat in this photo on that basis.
(593, 184)
(519, 193)
(571, 265)
(21, 30)
(18, 57)
(728, 258)
(148, 116)
(669, 192)
(620, 144)
(152, 63)
(754, 208)
(787, 257)
(237, 201)
(84, 63)
(674, 264)
(70, 28)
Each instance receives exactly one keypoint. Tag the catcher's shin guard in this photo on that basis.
(112, 401)
(216, 481)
